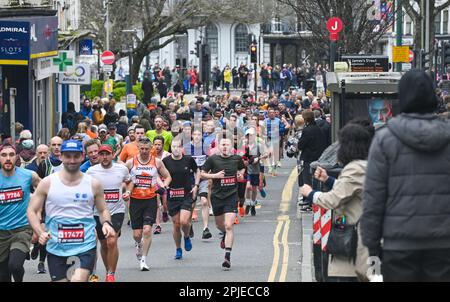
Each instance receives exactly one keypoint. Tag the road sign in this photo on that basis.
(335, 25)
(107, 68)
(411, 56)
(108, 58)
(64, 62)
(80, 76)
(400, 54)
(131, 101)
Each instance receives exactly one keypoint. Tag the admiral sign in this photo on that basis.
(14, 43)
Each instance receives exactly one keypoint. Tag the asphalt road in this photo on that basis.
(267, 246)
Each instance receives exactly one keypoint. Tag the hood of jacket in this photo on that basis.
(422, 132)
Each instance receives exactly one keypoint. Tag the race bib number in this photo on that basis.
(228, 181)
(71, 233)
(176, 193)
(112, 196)
(143, 181)
(11, 195)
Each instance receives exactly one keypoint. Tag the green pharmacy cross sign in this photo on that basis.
(62, 62)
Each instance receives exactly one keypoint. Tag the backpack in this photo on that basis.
(71, 122)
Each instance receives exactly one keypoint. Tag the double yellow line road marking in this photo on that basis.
(283, 227)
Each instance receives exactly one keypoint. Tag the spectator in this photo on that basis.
(406, 209)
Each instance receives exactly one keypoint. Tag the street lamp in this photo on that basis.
(130, 50)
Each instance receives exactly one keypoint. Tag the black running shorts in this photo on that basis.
(222, 206)
(175, 205)
(143, 212)
(116, 220)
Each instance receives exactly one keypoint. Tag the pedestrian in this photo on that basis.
(405, 221)
(345, 197)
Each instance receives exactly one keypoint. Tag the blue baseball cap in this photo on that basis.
(72, 145)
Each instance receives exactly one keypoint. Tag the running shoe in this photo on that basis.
(191, 232)
(263, 193)
(110, 278)
(226, 265)
(165, 217)
(138, 247)
(93, 278)
(247, 209)
(241, 211)
(144, 266)
(157, 230)
(222, 243)
(179, 254)
(187, 244)
(236, 221)
(258, 204)
(35, 251)
(41, 268)
(206, 234)
(253, 211)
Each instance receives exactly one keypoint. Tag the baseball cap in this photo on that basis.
(102, 128)
(250, 131)
(72, 145)
(105, 148)
(131, 128)
(112, 126)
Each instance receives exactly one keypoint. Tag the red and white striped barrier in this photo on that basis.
(317, 214)
(325, 228)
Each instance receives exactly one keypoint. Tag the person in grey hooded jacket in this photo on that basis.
(406, 209)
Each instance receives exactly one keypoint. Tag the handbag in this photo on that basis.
(343, 240)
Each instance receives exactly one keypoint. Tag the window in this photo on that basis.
(408, 27)
(445, 22)
(241, 38)
(437, 24)
(212, 38)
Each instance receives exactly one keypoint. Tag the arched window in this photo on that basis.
(212, 38)
(241, 38)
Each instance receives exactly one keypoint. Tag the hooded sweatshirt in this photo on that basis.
(407, 192)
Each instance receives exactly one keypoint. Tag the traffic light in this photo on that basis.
(446, 54)
(253, 54)
(425, 60)
(197, 48)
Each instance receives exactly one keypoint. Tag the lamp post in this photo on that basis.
(129, 49)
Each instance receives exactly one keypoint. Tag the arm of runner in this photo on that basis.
(100, 204)
(35, 209)
(162, 170)
(218, 175)
(36, 180)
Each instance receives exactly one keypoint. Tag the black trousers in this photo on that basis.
(416, 266)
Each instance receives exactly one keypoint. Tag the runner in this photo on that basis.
(69, 197)
(144, 169)
(181, 194)
(112, 176)
(224, 169)
(53, 163)
(158, 143)
(91, 148)
(159, 131)
(255, 152)
(199, 151)
(131, 149)
(15, 231)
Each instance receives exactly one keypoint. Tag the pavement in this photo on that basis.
(273, 246)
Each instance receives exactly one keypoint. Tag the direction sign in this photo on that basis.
(108, 58)
(335, 25)
(107, 68)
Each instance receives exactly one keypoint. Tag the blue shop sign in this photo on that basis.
(14, 43)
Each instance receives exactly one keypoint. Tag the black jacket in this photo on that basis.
(407, 191)
(312, 143)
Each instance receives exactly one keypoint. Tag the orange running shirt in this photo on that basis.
(144, 178)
